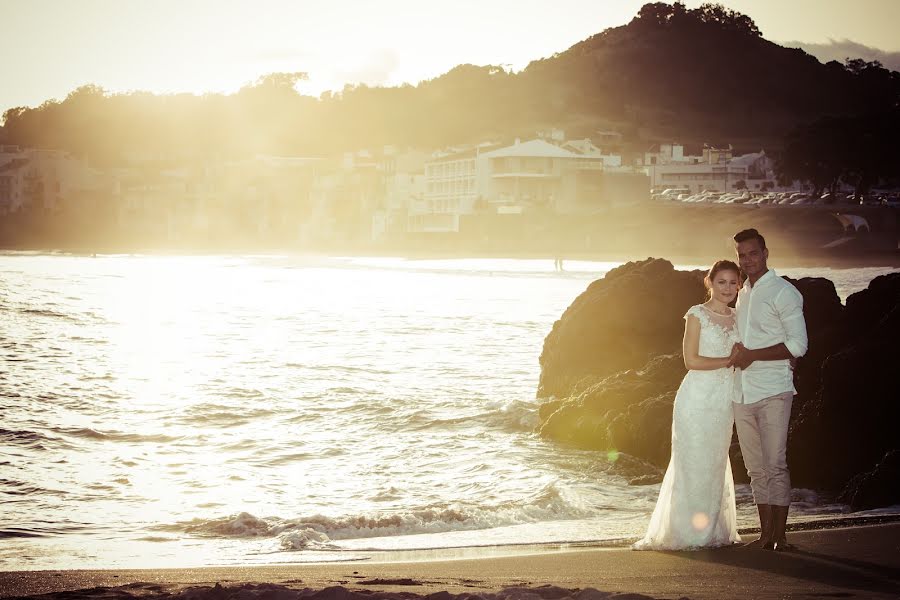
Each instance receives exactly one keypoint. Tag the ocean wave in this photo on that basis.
(513, 416)
(14, 487)
(33, 440)
(340, 368)
(321, 531)
(224, 413)
(113, 436)
(16, 532)
(45, 312)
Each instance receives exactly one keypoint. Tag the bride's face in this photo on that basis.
(725, 286)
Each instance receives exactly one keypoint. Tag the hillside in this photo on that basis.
(700, 75)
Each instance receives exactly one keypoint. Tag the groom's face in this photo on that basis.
(752, 258)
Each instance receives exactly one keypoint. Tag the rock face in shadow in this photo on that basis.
(824, 314)
(611, 387)
(877, 488)
(618, 323)
(850, 425)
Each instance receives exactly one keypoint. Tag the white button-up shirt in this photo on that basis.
(769, 313)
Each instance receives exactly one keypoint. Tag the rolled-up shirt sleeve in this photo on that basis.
(789, 304)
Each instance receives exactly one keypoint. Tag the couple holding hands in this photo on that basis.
(740, 373)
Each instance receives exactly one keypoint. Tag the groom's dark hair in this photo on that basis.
(750, 234)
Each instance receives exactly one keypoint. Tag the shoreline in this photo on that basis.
(790, 262)
(841, 560)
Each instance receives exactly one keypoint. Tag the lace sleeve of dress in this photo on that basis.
(698, 312)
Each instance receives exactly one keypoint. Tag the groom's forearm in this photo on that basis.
(776, 352)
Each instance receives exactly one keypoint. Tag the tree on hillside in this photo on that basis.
(661, 14)
(672, 73)
(858, 151)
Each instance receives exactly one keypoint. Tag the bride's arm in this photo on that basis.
(690, 347)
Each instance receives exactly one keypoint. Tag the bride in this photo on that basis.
(696, 506)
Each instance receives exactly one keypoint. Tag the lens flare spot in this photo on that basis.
(700, 521)
(612, 456)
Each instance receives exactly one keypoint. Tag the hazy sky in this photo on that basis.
(51, 47)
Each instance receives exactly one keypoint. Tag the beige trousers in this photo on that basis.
(762, 432)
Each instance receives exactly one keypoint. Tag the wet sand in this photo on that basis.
(841, 562)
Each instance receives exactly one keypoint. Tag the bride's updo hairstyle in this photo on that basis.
(720, 265)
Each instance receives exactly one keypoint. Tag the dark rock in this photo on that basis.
(877, 488)
(379, 581)
(337, 593)
(547, 592)
(584, 420)
(618, 323)
(612, 367)
(592, 594)
(823, 313)
(867, 307)
(644, 429)
(851, 423)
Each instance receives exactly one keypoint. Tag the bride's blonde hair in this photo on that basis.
(718, 266)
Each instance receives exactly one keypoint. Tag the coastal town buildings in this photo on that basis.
(369, 195)
(451, 190)
(715, 169)
(41, 180)
(310, 200)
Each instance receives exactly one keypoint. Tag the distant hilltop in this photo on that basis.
(695, 75)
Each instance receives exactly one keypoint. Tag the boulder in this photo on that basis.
(610, 368)
(851, 423)
(618, 323)
(628, 412)
(876, 488)
(823, 313)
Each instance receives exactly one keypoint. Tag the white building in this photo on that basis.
(586, 147)
(13, 168)
(450, 190)
(39, 179)
(538, 174)
(667, 154)
(717, 169)
(403, 174)
(572, 177)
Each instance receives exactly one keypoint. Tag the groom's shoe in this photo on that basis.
(783, 546)
(779, 524)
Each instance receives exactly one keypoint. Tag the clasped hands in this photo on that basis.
(741, 357)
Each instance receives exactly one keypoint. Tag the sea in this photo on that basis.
(172, 411)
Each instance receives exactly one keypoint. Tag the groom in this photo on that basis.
(773, 333)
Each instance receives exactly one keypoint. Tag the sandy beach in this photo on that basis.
(840, 562)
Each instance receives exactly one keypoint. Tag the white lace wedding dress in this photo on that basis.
(696, 500)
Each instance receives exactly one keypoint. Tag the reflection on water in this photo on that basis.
(239, 410)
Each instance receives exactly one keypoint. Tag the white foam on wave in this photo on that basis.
(319, 531)
(306, 539)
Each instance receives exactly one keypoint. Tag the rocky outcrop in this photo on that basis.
(618, 323)
(850, 424)
(824, 313)
(611, 387)
(629, 411)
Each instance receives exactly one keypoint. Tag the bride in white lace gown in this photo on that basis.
(696, 507)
